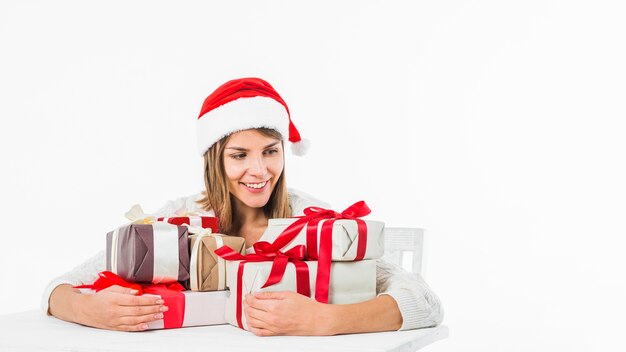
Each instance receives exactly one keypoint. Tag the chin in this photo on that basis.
(254, 202)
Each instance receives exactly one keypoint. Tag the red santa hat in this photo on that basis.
(243, 104)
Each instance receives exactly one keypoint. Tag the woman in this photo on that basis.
(240, 134)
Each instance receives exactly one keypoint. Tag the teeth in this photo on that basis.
(255, 185)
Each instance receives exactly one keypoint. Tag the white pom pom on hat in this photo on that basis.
(243, 104)
(300, 148)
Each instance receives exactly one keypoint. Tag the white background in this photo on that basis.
(497, 126)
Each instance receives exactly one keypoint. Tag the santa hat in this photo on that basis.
(243, 104)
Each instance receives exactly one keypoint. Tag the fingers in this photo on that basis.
(266, 321)
(116, 309)
(144, 300)
(280, 313)
(257, 324)
(262, 332)
(264, 304)
(125, 323)
(138, 319)
(135, 318)
(137, 327)
(142, 310)
(271, 295)
(120, 289)
(126, 296)
(263, 318)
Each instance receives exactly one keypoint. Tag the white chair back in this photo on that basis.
(405, 247)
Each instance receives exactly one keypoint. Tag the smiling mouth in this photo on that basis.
(255, 185)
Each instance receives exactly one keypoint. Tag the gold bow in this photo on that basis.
(137, 216)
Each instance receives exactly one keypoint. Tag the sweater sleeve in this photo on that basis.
(85, 273)
(418, 304)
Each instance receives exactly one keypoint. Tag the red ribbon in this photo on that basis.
(170, 293)
(280, 260)
(174, 299)
(208, 222)
(107, 279)
(311, 219)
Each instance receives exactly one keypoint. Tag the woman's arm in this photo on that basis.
(289, 313)
(63, 302)
(378, 314)
(85, 273)
(114, 308)
(419, 305)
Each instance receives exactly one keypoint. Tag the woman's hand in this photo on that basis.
(117, 308)
(286, 313)
(114, 308)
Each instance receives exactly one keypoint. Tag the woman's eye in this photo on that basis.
(271, 151)
(238, 156)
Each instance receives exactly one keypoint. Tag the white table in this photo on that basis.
(33, 331)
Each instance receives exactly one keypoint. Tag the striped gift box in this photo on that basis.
(149, 253)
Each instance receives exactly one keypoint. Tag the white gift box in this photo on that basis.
(201, 308)
(350, 282)
(345, 237)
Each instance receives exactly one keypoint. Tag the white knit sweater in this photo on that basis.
(418, 304)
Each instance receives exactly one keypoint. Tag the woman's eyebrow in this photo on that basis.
(245, 150)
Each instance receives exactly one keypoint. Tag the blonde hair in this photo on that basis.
(217, 195)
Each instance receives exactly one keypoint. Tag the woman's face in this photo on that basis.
(253, 164)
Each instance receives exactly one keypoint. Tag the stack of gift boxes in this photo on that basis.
(203, 276)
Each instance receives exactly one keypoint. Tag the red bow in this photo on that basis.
(312, 217)
(107, 279)
(263, 253)
(170, 293)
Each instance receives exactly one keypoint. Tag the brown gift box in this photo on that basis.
(207, 271)
(149, 253)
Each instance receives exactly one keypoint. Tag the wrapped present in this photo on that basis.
(350, 282)
(137, 216)
(185, 308)
(207, 271)
(343, 236)
(352, 239)
(150, 253)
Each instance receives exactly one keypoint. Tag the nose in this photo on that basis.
(257, 166)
